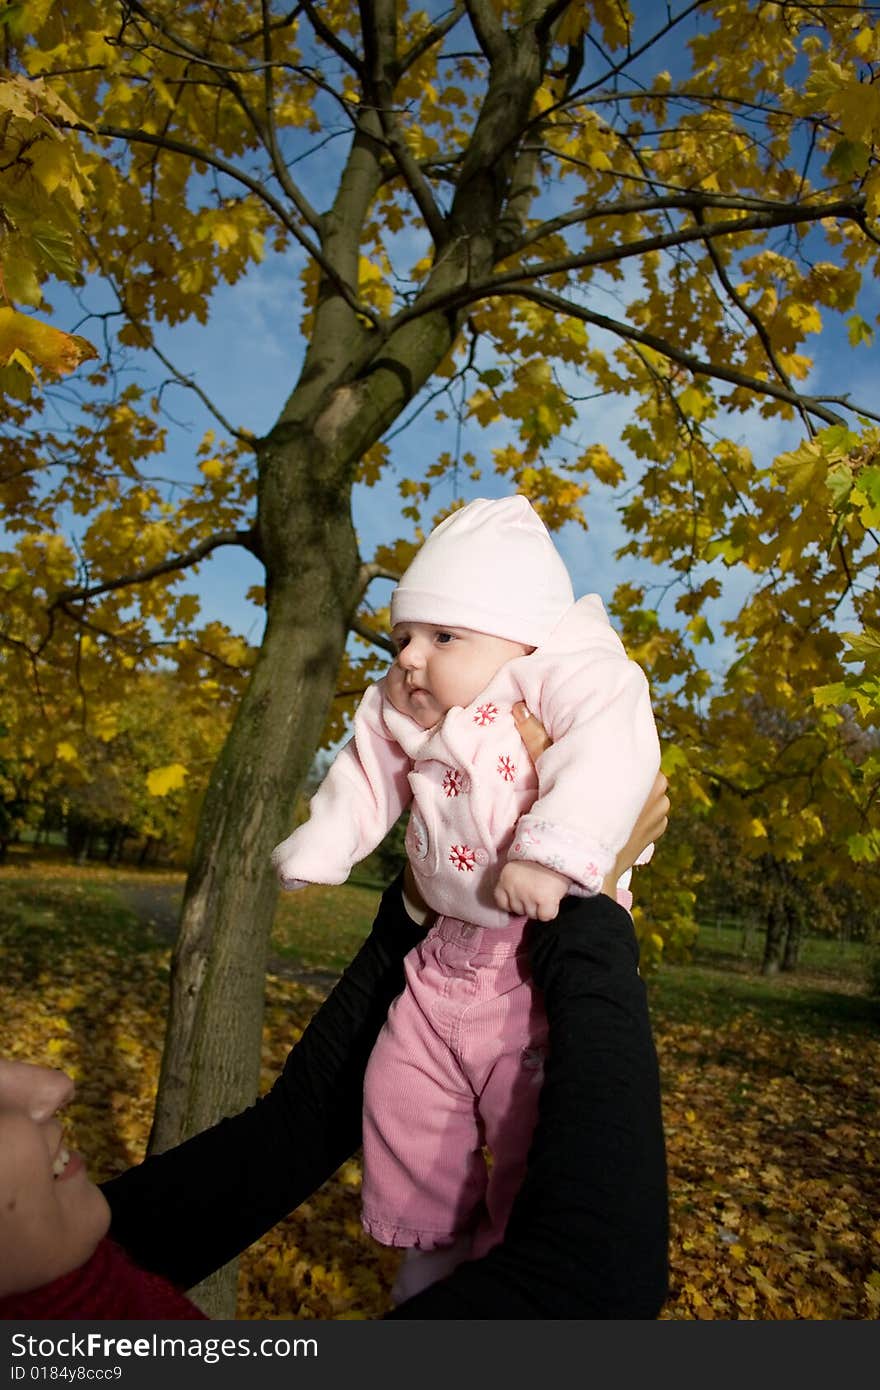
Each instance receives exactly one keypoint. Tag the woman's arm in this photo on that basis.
(186, 1212)
(587, 1237)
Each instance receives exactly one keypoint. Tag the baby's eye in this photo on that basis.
(442, 638)
(400, 643)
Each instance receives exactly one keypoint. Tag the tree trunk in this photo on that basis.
(773, 939)
(211, 1061)
(793, 937)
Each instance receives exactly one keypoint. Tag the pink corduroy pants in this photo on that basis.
(457, 1066)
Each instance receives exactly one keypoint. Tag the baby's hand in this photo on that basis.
(530, 890)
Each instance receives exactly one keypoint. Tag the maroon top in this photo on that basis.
(109, 1286)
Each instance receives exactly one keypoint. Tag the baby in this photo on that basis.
(483, 618)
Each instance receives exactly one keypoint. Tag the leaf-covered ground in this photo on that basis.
(772, 1118)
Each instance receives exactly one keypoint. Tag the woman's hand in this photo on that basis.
(653, 817)
(417, 910)
(651, 824)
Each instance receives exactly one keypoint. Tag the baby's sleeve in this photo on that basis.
(355, 806)
(595, 778)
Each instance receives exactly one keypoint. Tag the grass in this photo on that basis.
(320, 929)
(722, 982)
(37, 918)
(726, 946)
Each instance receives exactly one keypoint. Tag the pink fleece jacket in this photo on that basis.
(476, 798)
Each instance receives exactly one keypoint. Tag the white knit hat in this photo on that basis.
(491, 567)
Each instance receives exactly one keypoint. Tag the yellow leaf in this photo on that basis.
(163, 780)
(694, 403)
(66, 752)
(51, 349)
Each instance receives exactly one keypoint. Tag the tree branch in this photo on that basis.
(333, 41)
(633, 54)
(697, 365)
(265, 132)
(435, 35)
(487, 27)
(381, 75)
(520, 278)
(754, 319)
(694, 202)
(379, 639)
(247, 539)
(214, 161)
(244, 436)
(544, 21)
(369, 571)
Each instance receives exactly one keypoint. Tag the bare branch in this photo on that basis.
(632, 54)
(187, 382)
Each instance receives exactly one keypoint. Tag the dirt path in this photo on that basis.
(157, 906)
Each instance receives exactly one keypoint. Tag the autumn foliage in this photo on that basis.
(772, 1129)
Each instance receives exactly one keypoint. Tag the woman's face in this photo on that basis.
(51, 1215)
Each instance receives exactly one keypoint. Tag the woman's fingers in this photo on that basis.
(531, 731)
(651, 824)
(656, 810)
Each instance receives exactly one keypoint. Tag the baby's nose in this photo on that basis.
(408, 658)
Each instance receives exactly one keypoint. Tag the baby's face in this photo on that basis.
(439, 667)
(51, 1215)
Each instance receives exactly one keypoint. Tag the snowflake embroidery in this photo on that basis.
(463, 857)
(486, 714)
(452, 782)
(506, 768)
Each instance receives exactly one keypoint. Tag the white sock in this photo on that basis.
(419, 1268)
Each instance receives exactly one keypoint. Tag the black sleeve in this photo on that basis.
(186, 1212)
(587, 1236)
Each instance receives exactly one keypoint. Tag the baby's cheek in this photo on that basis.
(394, 687)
